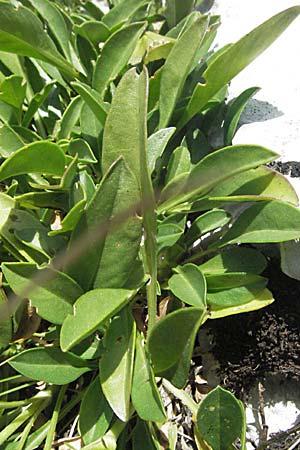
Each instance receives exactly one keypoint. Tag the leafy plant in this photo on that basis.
(122, 229)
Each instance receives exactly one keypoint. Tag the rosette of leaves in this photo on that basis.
(122, 229)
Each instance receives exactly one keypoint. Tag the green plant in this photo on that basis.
(115, 210)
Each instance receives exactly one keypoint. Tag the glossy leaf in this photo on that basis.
(10, 141)
(184, 321)
(189, 285)
(174, 74)
(117, 192)
(93, 30)
(234, 112)
(23, 33)
(6, 205)
(221, 282)
(205, 223)
(235, 259)
(13, 91)
(272, 221)
(261, 300)
(93, 100)
(116, 364)
(51, 292)
(122, 11)
(70, 118)
(220, 419)
(235, 296)
(38, 157)
(115, 55)
(156, 144)
(49, 364)
(144, 393)
(95, 413)
(214, 168)
(236, 58)
(91, 310)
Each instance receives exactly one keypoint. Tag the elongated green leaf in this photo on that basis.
(121, 12)
(236, 58)
(184, 321)
(235, 296)
(6, 205)
(117, 192)
(93, 100)
(151, 47)
(49, 364)
(95, 413)
(177, 10)
(56, 22)
(93, 30)
(13, 91)
(10, 141)
(90, 310)
(234, 112)
(143, 437)
(35, 103)
(38, 157)
(272, 221)
(219, 282)
(157, 142)
(180, 162)
(235, 259)
(83, 150)
(174, 74)
(50, 291)
(116, 364)
(6, 328)
(170, 230)
(115, 55)
(206, 222)
(214, 168)
(70, 118)
(260, 300)
(70, 221)
(23, 33)
(144, 393)
(189, 285)
(220, 419)
(55, 200)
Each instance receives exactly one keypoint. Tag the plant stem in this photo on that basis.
(54, 419)
(181, 395)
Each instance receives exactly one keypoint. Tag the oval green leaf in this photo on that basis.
(189, 285)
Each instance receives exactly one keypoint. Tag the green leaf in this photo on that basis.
(264, 222)
(6, 205)
(143, 437)
(235, 58)
(235, 259)
(260, 300)
(258, 184)
(70, 221)
(10, 141)
(93, 99)
(35, 103)
(205, 223)
(6, 328)
(219, 282)
(170, 230)
(290, 252)
(23, 33)
(117, 192)
(157, 143)
(55, 200)
(122, 12)
(176, 10)
(49, 364)
(116, 363)
(145, 396)
(93, 30)
(151, 47)
(51, 292)
(189, 285)
(234, 112)
(95, 413)
(13, 90)
(39, 157)
(174, 74)
(235, 296)
(115, 55)
(179, 163)
(220, 419)
(174, 331)
(91, 310)
(212, 169)
(70, 117)
(81, 148)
